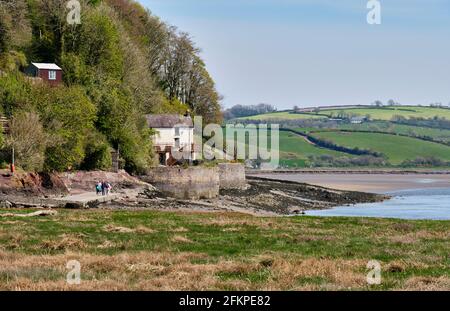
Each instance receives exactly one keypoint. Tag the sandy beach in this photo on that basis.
(375, 183)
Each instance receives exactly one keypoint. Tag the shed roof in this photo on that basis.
(168, 121)
(46, 66)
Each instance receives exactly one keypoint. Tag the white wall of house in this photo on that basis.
(182, 136)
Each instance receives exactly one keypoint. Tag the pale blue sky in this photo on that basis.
(319, 52)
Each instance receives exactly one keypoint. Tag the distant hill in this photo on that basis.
(369, 136)
(386, 113)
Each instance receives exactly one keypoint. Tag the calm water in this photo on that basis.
(433, 204)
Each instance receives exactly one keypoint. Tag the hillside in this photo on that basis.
(387, 136)
(119, 64)
(386, 113)
(436, 134)
(286, 115)
(397, 149)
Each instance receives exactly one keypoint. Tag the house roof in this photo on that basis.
(168, 121)
(358, 118)
(46, 66)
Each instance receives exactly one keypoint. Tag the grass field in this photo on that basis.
(388, 127)
(282, 116)
(385, 113)
(388, 112)
(148, 250)
(295, 150)
(396, 148)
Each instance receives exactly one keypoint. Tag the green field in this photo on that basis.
(384, 113)
(388, 113)
(396, 148)
(388, 127)
(295, 150)
(282, 116)
(150, 250)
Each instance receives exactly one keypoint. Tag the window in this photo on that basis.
(177, 131)
(52, 75)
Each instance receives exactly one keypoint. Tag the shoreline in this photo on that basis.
(262, 197)
(363, 182)
(350, 171)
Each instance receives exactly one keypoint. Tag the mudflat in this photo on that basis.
(375, 183)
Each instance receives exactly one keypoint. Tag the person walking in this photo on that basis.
(98, 188)
(108, 188)
(103, 188)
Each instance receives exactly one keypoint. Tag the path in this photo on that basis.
(87, 199)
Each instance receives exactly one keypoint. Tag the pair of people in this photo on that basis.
(103, 187)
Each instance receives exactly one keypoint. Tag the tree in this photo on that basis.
(14, 25)
(119, 64)
(125, 127)
(97, 152)
(68, 116)
(378, 103)
(4, 34)
(28, 139)
(392, 102)
(245, 111)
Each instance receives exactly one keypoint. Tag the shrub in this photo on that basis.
(97, 152)
(28, 139)
(425, 162)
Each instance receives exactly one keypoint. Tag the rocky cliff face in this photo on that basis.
(37, 184)
(85, 181)
(61, 184)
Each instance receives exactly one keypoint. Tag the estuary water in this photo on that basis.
(414, 196)
(426, 204)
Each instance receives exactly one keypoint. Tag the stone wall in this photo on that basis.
(185, 183)
(232, 176)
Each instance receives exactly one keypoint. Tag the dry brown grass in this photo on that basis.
(180, 239)
(178, 271)
(65, 242)
(414, 237)
(191, 252)
(119, 229)
(233, 220)
(427, 283)
(180, 229)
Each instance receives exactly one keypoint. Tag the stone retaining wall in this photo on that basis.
(185, 183)
(232, 176)
(196, 182)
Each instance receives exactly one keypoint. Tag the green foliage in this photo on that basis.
(113, 69)
(173, 106)
(75, 70)
(4, 35)
(68, 115)
(13, 61)
(14, 93)
(124, 127)
(94, 2)
(28, 139)
(98, 152)
(2, 139)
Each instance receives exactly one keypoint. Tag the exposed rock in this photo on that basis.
(37, 184)
(5, 204)
(38, 213)
(86, 181)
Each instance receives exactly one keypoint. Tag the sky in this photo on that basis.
(310, 53)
